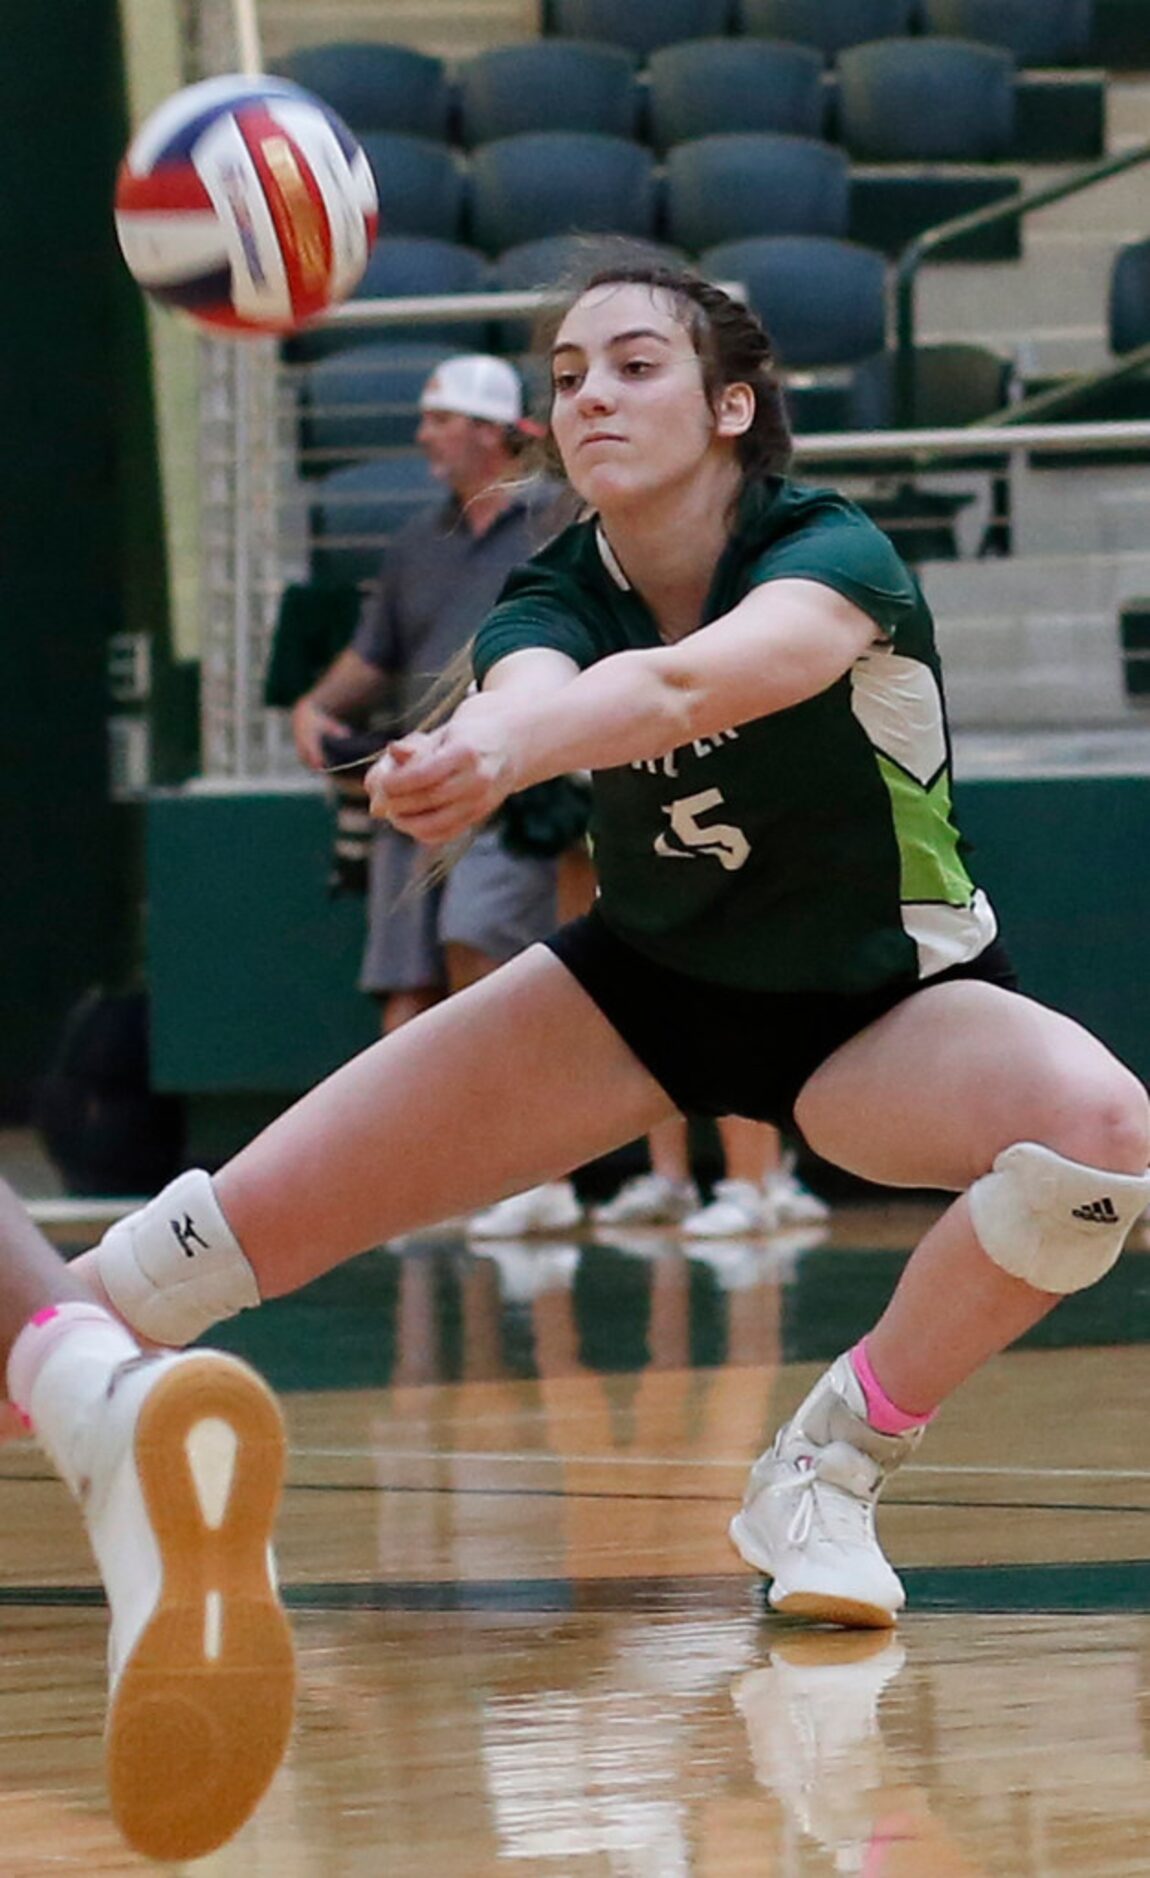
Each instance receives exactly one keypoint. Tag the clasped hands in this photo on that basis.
(435, 785)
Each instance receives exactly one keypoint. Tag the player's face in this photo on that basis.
(629, 412)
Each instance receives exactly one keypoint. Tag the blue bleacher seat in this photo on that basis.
(354, 404)
(355, 510)
(554, 182)
(1036, 32)
(548, 84)
(563, 260)
(727, 187)
(422, 185)
(1128, 313)
(828, 25)
(402, 266)
(640, 25)
(822, 300)
(711, 85)
(375, 86)
(954, 384)
(926, 101)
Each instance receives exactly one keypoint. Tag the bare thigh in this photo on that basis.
(516, 1080)
(928, 1095)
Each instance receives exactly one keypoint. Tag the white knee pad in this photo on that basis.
(1055, 1223)
(174, 1269)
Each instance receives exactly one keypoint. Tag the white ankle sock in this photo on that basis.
(59, 1367)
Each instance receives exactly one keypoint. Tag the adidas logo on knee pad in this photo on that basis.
(1101, 1212)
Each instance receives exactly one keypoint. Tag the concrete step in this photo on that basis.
(1127, 112)
(1057, 672)
(1035, 641)
(1097, 511)
(1049, 310)
(1069, 583)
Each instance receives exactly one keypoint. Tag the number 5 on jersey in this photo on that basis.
(721, 840)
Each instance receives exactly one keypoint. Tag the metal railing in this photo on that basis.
(928, 244)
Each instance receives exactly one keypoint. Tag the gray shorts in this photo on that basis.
(495, 902)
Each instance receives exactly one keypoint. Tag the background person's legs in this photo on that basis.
(495, 904)
(403, 965)
(666, 1195)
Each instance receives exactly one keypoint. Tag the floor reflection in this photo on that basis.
(437, 1310)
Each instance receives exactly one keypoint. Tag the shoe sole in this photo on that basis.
(817, 1607)
(201, 1715)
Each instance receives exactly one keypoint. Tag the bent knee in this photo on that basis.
(1106, 1124)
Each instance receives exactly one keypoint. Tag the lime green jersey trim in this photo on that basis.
(932, 869)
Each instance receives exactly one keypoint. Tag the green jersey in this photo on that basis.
(811, 849)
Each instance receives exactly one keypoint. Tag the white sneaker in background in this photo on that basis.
(738, 1208)
(812, 1724)
(648, 1200)
(788, 1202)
(178, 1474)
(552, 1208)
(807, 1520)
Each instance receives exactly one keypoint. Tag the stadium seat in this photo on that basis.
(822, 300)
(421, 185)
(728, 187)
(952, 385)
(555, 182)
(356, 510)
(712, 85)
(407, 265)
(1129, 298)
(558, 260)
(376, 87)
(1036, 32)
(926, 101)
(828, 25)
(548, 84)
(640, 25)
(354, 404)
(927, 123)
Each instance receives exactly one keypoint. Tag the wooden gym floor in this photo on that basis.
(525, 1646)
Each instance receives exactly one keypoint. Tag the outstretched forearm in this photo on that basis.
(626, 709)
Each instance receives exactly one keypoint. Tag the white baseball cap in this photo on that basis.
(474, 384)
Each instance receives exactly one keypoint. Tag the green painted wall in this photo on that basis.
(77, 524)
(252, 968)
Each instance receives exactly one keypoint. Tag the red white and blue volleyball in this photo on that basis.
(247, 204)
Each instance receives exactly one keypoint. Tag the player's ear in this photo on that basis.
(734, 410)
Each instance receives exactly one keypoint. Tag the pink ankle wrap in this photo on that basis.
(41, 1334)
(883, 1415)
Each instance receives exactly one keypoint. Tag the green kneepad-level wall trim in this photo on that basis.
(253, 969)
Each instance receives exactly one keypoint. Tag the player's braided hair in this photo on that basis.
(733, 346)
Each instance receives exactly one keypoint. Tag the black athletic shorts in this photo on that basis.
(718, 1050)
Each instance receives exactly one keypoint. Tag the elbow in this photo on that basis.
(684, 705)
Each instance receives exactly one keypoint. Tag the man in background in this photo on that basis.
(441, 574)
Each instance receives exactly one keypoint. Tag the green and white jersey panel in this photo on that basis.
(898, 701)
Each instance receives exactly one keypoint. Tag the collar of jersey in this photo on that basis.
(610, 561)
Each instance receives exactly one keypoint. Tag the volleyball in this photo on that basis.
(246, 204)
